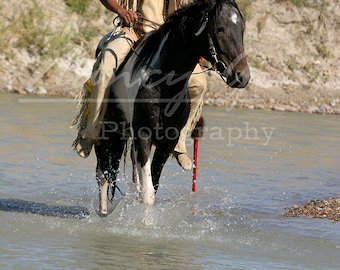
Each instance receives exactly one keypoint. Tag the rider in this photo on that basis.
(115, 50)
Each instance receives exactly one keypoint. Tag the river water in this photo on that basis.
(252, 164)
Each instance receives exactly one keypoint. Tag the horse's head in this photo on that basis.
(225, 27)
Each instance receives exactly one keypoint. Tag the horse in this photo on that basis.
(149, 100)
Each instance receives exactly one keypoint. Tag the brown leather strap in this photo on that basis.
(166, 9)
(139, 5)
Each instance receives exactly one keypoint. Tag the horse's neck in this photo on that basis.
(177, 55)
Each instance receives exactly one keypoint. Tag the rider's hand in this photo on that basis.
(127, 16)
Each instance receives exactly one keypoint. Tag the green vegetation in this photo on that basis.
(38, 29)
(292, 63)
(245, 7)
(323, 50)
(256, 62)
(78, 6)
(302, 3)
(39, 37)
(307, 3)
(34, 26)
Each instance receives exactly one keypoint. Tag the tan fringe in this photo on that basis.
(134, 4)
(82, 111)
(128, 4)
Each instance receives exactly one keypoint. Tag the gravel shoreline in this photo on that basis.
(277, 97)
(218, 94)
(325, 209)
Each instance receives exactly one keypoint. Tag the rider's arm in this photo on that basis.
(128, 16)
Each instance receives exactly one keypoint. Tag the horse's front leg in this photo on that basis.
(108, 152)
(135, 176)
(103, 185)
(159, 158)
(142, 149)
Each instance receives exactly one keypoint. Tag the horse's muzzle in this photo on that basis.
(239, 79)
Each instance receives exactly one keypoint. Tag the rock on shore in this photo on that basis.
(329, 209)
(294, 98)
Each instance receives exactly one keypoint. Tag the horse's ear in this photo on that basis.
(209, 4)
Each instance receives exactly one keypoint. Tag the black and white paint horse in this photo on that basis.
(149, 99)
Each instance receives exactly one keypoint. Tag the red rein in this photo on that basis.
(194, 176)
(196, 134)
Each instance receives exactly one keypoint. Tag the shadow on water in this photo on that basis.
(23, 206)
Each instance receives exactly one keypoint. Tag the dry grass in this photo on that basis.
(37, 28)
(245, 7)
(307, 3)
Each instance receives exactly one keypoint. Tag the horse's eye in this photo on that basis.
(220, 30)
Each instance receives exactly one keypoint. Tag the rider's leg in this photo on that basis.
(103, 74)
(197, 89)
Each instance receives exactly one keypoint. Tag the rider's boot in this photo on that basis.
(180, 152)
(197, 88)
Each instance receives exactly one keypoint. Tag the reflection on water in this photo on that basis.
(252, 164)
(16, 205)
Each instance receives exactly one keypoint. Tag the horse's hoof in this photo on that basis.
(102, 213)
(184, 161)
(149, 218)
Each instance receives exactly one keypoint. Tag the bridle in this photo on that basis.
(217, 65)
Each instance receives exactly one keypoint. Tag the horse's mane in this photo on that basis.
(177, 22)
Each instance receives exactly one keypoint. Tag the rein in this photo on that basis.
(155, 24)
(217, 65)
